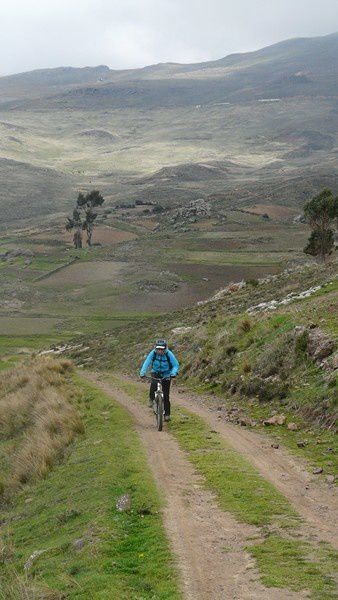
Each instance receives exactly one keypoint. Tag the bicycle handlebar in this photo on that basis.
(156, 378)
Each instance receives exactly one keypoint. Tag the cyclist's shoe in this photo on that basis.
(167, 418)
(150, 404)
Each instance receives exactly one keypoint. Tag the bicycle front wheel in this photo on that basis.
(159, 412)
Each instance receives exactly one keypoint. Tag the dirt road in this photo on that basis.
(208, 543)
(314, 501)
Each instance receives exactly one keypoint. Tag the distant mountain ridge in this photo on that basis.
(296, 67)
(247, 128)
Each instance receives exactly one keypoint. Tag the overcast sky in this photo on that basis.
(132, 33)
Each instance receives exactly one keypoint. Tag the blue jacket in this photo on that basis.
(159, 364)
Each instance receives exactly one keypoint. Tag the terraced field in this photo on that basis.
(137, 266)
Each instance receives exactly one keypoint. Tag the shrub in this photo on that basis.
(233, 287)
(276, 359)
(264, 390)
(250, 387)
(230, 350)
(245, 325)
(158, 208)
(252, 282)
(301, 344)
(272, 390)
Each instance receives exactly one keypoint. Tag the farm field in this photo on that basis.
(133, 271)
(84, 273)
(106, 235)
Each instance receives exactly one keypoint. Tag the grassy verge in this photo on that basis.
(283, 558)
(234, 258)
(91, 549)
(38, 422)
(315, 445)
(238, 485)
(14, 345)
(318, 446)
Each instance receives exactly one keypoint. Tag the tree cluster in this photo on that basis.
(322, 215)
(84, 217)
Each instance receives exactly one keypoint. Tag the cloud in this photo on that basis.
(132, 33)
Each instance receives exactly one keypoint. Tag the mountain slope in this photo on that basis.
(304, 66)
(272, 113)
(282, 353)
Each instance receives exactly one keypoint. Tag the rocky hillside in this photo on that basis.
(271, 341)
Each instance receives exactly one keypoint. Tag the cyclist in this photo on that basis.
(164, 365)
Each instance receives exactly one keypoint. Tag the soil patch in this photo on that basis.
(82, 273)
(274, 211)
(219, 276)
(102, 235)
(205, 281)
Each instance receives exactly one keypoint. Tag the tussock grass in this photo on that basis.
(22, 588)
(37, 421)
(90, 548)
(245, 325)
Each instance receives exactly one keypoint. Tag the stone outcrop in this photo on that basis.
(193, 211)
(320, 344)
(16, 253)
(275, 420)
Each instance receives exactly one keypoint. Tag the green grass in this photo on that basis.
(234, 258)
(13, 344)
(238, 485)
(295, 569)
(133, 389)
(27, 325)
(125, 555)
(8, 362)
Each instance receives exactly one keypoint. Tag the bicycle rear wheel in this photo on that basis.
(159, 412)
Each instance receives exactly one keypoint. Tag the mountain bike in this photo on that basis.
(158, 404)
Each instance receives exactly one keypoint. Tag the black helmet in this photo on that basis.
(161, 344)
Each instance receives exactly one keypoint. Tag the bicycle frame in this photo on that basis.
(159, 401)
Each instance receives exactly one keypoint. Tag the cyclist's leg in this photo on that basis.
(166, 392)
(152, 390)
